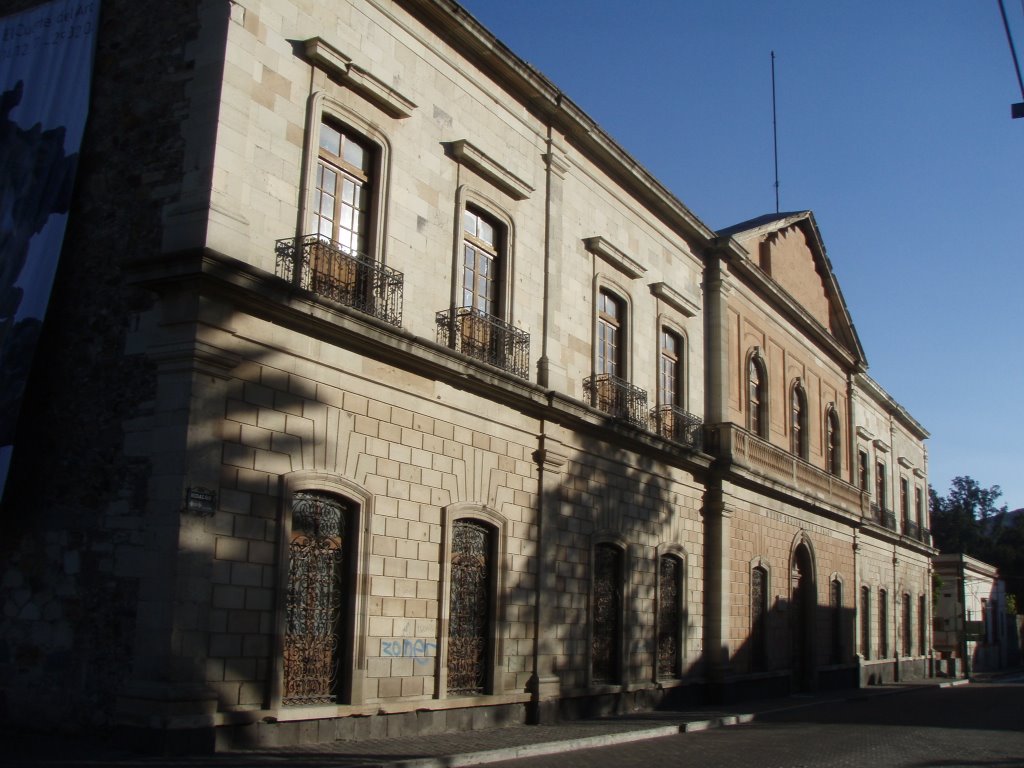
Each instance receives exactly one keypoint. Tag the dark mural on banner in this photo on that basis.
(45, 73)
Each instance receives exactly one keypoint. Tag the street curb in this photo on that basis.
(568, 745)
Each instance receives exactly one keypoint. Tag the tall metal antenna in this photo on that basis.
(775, 137)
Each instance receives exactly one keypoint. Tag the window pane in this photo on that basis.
(330, 139)
(328, 180)
(327, 206)
(486, 232)
(469, 220)
(355, 154)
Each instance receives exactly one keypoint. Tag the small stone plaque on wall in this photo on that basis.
(201, 501)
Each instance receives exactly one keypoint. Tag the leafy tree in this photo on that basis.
(964, 521)
(967, 520)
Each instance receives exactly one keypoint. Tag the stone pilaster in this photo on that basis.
(552, 460)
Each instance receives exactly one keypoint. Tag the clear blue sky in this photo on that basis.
(894, 128)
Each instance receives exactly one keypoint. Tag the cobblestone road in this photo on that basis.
(977, 725)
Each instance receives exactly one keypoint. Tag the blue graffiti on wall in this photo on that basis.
(421, 651)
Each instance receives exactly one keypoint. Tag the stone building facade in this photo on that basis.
(385, 392)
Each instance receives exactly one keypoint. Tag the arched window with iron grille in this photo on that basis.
(606, 614)
(671, 594)
(315, 623)
(470, 608)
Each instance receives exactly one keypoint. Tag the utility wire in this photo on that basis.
(1009, 39)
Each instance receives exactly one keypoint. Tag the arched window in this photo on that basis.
(883, 624)
(606, 614)
(908, 627)
(865, 622)
(757, 390)
(670, 370)
(671, 594)
(798, 420)
(833, 442)
(482, 268)
(470, 607)
(922, 627)
(315, 622)
(611, 331)
(341, 203)
(836, 607)
(758, 618)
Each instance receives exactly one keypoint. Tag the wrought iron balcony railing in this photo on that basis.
(889, 519)
(926, 536)
(617, 398)
(675, 424)
(485, 337)
(912, 529)
(874, 513)
(336, 272)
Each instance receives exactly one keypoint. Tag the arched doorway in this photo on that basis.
(803, 602)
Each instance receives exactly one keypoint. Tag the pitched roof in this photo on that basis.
(842, 328)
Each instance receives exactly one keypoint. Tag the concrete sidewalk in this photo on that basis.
(448, 750)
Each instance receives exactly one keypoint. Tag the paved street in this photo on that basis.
(975, 725)
(915, 726)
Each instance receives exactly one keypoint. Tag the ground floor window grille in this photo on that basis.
(607, 613)
(670, 603)
(883, 624)
(469, 615)
(865, 622)
(758, 617)
(922, 630)
(908, 630)
(314, 599)
(836, 599)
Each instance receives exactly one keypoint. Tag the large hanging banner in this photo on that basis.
(46, 56)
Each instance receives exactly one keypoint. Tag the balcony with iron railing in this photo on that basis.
(911, 529)
(882, 516)
(675, 424)
(618, 398)
(754, 454)
(336, 272)
(485, 338)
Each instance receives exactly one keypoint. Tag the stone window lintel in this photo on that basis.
(675, 299)
(468, 154)
(600, 246)
(340, 66)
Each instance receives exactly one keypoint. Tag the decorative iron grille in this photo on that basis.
(469, 614)
(908, 628)
(675, 424)
(882, 516)
(758, 616)
(865, 622)
(912, 529)
(836, 604)
(883, 624)
(331, 270)
(607, 613)
(618, 398)
(874, 513)
(926, 536)
(485, 337)
(670, 593)
(889, 519)
(313, 603)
